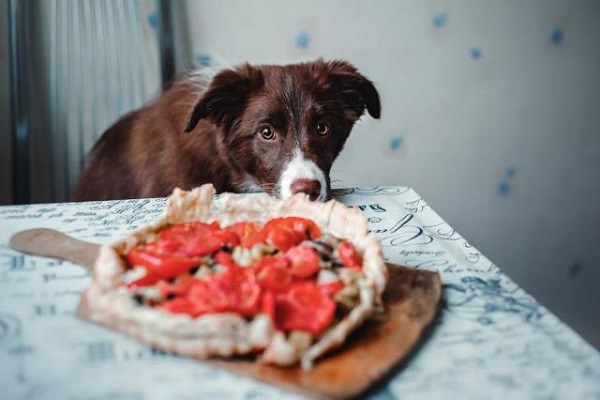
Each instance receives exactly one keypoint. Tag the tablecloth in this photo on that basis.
(490, 340)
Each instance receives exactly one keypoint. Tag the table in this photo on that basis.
(490, 340)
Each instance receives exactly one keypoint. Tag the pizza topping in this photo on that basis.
(181, 286)
(232, 290)
(273, 273)
(247, 256)
(327, 276)
(349, 256)
(304, 261)
(285, 233)
(287, 270)
(324, 249)
(347, 297)
(159, 264)
(304, 308)
(330, 289)
(246, 231)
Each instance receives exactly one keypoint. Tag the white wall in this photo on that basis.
(491, 111)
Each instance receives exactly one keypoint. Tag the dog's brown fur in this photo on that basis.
(190, 136)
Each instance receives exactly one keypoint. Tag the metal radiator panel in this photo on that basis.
(82, 65)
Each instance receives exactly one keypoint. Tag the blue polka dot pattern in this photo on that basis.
(575, 268)
(475, 53)
(153, 20)
(511, 172)
(396, 143)
(557, 36)
(440, 19)
(302, 40)
(503, 188)
(204, 60)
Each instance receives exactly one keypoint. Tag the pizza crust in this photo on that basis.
(107, 303)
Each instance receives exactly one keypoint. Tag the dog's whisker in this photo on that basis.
(338, 184)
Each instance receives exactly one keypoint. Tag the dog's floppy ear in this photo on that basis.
(358, 91)
(226, 96)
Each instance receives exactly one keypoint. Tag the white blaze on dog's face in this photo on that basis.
(283, 126)
(300, 175)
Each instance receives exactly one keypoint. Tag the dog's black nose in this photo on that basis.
(308, 186)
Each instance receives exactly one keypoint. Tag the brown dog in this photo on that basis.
(267, 128)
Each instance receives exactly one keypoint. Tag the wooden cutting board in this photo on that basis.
(375, 350)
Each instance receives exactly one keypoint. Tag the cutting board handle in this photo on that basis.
(52, 243)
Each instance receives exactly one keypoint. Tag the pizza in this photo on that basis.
(284, 281)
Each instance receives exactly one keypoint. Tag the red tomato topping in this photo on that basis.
(159, 265)
(304, 226)
(200, 245)
(304, 308)
(224, 259)
(205, 298)
(233, 290)
(330, 289)
(181, 286)
(146, 280)
(196, 243)
(179, 305)
(277, 286)
(238, 285)
(283, 239)
(228, 239)
(273, 261)
(189, 228)
(268, 304)
(273, 273)
(287, 232)
(246, 231)
(349, 256)
(305, 261)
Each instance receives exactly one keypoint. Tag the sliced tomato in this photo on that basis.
(304, 261)
(166, 245)
(202, 245)
(224, 259)
(159, 265)
(349, 256)
(245, 298)
(208, 298)
(228, 239)
(181, 286)
(273, 273)
(146, 280)
(199, 246)
(287, 232)
(187, 228)
(330, 289)
(304, 308)
(246, 231)
(268, 304)
(283, 239)
(200, 299)
(235, 289)
(179, 305)
(194, 238)
(304, 226)
(197, 243)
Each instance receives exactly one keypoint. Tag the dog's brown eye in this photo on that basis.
(322, 129)
(267, 133)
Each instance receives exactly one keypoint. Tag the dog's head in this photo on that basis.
(285, 125)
